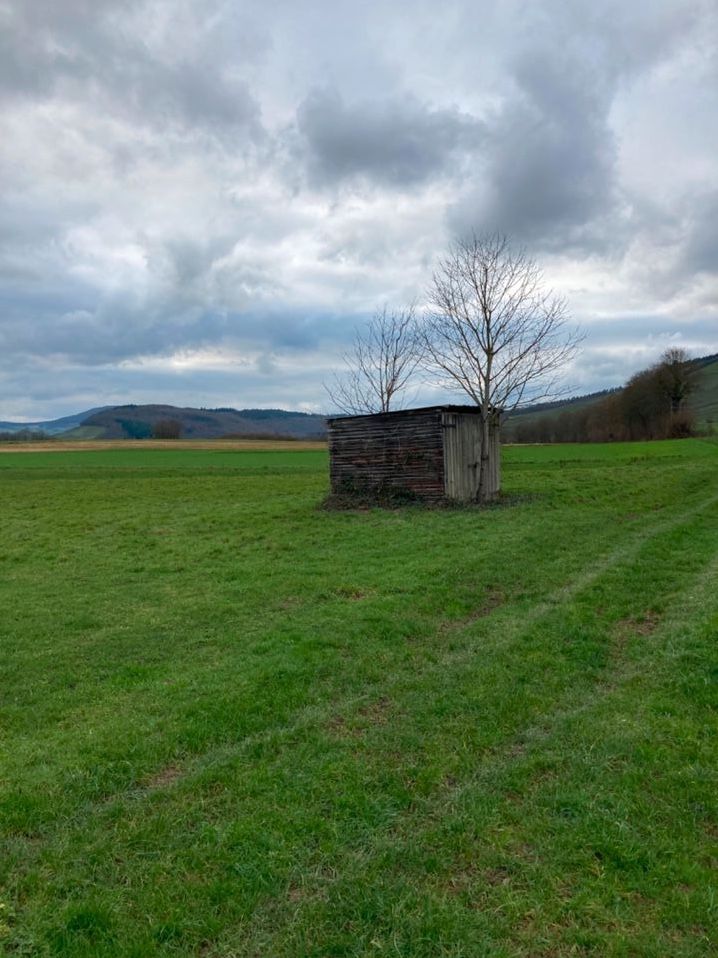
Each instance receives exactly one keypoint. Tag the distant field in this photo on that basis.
(237, 725)
(119, 445)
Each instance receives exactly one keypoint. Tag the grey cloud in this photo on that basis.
(548, 168)
(31, 236)
(396, 142)
(701, 249)
(42, 41)
(677, 253)
(78, 327)
(195, 96)
(548, 174)
(95, 334)
(82, 52)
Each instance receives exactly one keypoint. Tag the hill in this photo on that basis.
(703, 401)
(705, 398)
(138, 422)
(52, 427)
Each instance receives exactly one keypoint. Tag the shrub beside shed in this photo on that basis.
(431, 453)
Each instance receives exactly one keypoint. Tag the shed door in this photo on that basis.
(462, 451)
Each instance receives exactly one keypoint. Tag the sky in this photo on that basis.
(200, 200)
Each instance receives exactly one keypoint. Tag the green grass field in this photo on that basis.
(237, 725)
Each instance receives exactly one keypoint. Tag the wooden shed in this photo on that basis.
(432, 453)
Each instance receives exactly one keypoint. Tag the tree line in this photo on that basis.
(652, 405)
(24, 435)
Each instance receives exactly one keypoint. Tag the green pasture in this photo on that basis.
(236, 724)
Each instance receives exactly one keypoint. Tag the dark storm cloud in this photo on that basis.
(396, 143)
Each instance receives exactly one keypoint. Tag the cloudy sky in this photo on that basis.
(200, 199)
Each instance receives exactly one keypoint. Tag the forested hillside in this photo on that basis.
(674, 398)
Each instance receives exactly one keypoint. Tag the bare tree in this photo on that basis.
(676, 377)
(495, 331)
(380, 363)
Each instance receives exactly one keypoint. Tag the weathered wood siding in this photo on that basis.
(431, 453)
(462, 451)
(400, 451)
(463, 436)
(495, 460)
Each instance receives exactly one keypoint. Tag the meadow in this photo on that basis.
(237, 724)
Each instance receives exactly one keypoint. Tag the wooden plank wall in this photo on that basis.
(402, 451)
(495, 460)
(430, 453)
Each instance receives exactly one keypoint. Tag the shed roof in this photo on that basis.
(408, 413)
